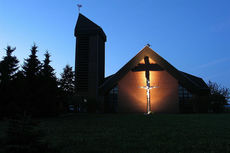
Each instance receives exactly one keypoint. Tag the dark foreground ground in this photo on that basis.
(131, 133)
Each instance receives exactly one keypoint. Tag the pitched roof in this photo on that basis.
(86, 26)
(196, 80)
(190, 82)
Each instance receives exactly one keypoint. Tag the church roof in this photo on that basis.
(196, 80)
(86, 26)
(192, 83)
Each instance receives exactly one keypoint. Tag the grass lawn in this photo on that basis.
(131, 133)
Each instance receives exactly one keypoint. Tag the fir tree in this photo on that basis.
(47, 71)
(67, 80)
(9, 65)
(48, 90)
(8, 69)
(32, 65)
(67, 86)
(31, 70)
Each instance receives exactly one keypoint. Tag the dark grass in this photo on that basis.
(100, 133)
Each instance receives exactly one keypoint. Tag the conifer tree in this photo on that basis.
(9, 65)
(66, 85)
(67, 80)
(49, 90)
(32, 65)
(31, 69)
(8, 69)
(47, 70)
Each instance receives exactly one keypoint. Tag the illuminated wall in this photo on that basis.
(132, 98)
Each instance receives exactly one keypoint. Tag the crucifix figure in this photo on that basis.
(148, 88)
(147, 67)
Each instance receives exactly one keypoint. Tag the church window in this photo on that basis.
(112, 99)
(184, 94)
(185, 100)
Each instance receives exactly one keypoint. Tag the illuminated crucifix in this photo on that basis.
(147, 67)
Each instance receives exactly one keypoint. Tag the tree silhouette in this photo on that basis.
(8, 69)
(9, 65)
(47, 70)
(218, 96)
(67, 80)
(48, 90)
(67, 85)
(33, 90)
(31, 69)
(32, 65)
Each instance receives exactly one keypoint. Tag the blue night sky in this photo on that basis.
(192, 35)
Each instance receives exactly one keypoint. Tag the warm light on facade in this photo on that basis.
(132, 98)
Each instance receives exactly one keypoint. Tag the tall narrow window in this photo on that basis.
(112, 100)
(185, 102)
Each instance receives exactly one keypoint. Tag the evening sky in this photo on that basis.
(192, 35)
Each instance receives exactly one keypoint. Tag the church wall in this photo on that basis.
(132, 98)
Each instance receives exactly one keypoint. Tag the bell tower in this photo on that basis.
(89, 60)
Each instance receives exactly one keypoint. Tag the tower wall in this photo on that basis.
(90, 62)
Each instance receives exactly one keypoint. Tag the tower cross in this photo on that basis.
(79, 7)
(147, 67)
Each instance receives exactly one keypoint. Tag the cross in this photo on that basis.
(79, 7)
(147, 67)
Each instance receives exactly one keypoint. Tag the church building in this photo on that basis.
(145, 84)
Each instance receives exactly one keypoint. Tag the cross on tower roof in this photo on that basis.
(79, 7)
